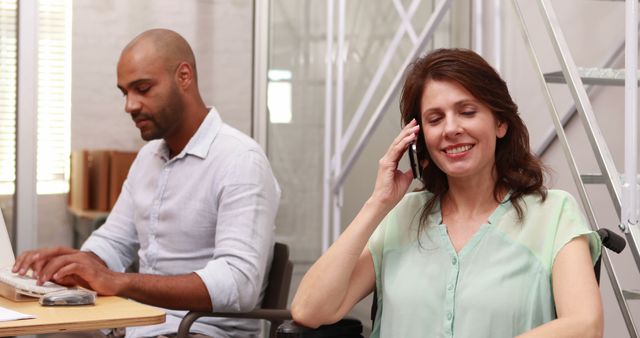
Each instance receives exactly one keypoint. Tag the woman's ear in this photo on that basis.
(502, 129)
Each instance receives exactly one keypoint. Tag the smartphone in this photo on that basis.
(413, 160)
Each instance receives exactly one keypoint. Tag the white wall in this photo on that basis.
(219, 31)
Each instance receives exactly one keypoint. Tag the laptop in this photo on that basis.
(14, 286)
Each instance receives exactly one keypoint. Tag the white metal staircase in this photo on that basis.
(622, 188)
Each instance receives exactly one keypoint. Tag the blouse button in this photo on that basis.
(449, 316)
(454, 261)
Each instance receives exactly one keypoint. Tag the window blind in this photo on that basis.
(8, 57)
(54, 88)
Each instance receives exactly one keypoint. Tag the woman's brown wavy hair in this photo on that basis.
(518, 170)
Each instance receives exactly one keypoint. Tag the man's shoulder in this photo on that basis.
(230, 137)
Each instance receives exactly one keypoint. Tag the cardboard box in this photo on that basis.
(78, 197)
(97, 177)
(119, 169)
(99, 164)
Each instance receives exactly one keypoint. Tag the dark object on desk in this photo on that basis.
(69, 297)
(274, 302)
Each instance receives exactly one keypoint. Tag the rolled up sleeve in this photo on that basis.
(116, 241)
(247, 206)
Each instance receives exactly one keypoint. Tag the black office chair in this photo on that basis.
(611, 241)
(274, 302)
(352, 328)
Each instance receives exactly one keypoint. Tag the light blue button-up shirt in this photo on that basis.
(209, 210)
(497, 286)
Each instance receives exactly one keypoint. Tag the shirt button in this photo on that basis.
(454, 261)
(450, 286)
(449, 316)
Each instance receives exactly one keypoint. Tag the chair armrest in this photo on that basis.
(611, 240)
(272, 315)
(345, 328)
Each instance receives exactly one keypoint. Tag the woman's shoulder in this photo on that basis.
(558, 194)
(412, 201)
(554, 198)
(539, 211)
(400, 225)
(416, 197)
(544, 215)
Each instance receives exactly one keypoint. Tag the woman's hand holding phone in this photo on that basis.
(391, 183)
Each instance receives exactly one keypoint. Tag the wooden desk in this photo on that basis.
(108, 312)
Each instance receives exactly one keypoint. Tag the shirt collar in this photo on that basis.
(200, 142)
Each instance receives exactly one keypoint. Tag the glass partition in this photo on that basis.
(378, 36)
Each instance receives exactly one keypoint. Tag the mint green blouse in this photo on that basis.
(498, 285)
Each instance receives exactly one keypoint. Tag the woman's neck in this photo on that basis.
(468, 197)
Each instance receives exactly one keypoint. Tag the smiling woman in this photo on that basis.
(493, 253)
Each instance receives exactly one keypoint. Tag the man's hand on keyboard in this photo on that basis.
(69, 267)
(82, 268)
(37, 259)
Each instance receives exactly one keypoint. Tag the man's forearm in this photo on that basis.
(182, 292)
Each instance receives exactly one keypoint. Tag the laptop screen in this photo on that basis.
(6, 252)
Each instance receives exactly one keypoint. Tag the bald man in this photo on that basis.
(197, 208)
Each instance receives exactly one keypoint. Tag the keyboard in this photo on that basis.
(26, 284)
